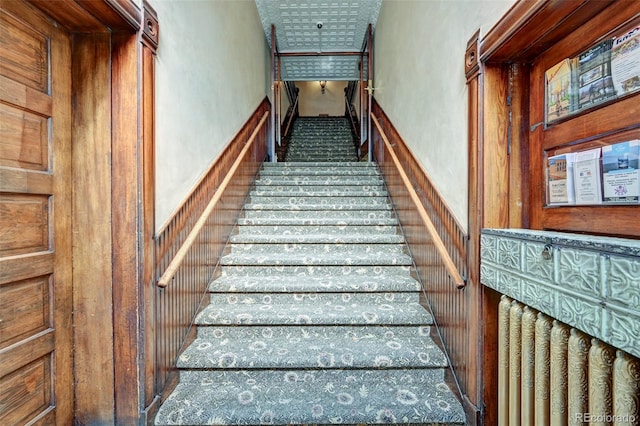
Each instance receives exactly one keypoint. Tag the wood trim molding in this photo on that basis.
(508, 26)
(531, 27)
(150, 27)
(92, 245)
(148, 227)
(93, 15)
(126, 167)
(117, 15)
(472, 57)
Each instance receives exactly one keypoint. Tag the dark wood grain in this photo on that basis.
(93, 15)
(92, 239)
(125, 231)
(36, 340)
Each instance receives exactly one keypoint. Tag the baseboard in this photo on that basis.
(149, 413)
(473, 413)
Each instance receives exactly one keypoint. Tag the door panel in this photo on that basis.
(35, 207)
(24, 142)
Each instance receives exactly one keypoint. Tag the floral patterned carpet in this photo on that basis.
(315, 317)
(323, 139)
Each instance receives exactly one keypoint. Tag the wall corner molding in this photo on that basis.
(471, 58)
(150, 27)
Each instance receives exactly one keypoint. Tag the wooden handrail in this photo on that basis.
(433, 232)
(293, 112)
(351, 111)
(177, 260)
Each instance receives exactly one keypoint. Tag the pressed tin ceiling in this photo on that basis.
(344, 28)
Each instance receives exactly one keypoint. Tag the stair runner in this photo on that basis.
(315, 317)
(317, 139)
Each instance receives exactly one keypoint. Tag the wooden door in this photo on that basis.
(36, 383)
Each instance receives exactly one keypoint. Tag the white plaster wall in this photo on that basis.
(212, 72)
(314, 103)
(420, 83)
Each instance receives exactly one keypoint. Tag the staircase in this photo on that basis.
(315, 317)
(321, 139)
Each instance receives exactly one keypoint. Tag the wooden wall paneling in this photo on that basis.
(480, 340)
(102, 252)
(148, 229)
(537, 187)
(593, 220)
(498, 198)
(63, 319)
(489, 363)
(126, 214)
(179, 302)
(35, 205)
(518, 145)
(92, 239)
(495, 165)
(490, 183)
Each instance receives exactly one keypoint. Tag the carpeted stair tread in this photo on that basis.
(321, 168)
(320, 284)
(299, 170)
(286, 204)
(339, 300)
(380, 333)
(326, 166)
(330, 221)
(331, 229)
(318, 238)
(312, 397)
(302, 347)
(325, 146)
(320, 190)
(327, 271)
(310, 314)
(317, 157)
(307, 258)
(316, 250)
(326, 202)
(317, 180)
(318, 214)
(320, 150)
(314, 316)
